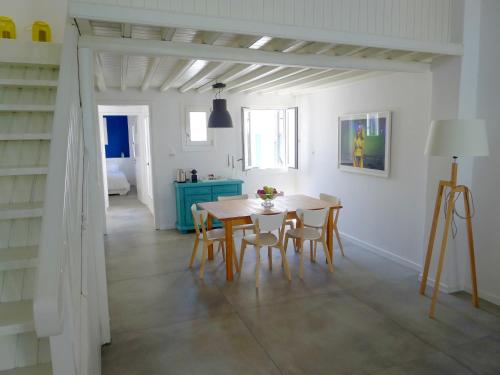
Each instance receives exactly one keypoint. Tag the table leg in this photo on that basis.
(228, 226)
(329, 233)
(210, 225)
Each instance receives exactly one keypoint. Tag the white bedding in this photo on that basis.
(117, 182)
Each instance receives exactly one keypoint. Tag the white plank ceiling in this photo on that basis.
(118, 71)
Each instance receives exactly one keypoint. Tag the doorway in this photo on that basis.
(125, 137)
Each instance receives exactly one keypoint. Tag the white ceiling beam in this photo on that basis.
(340, 81)
(325, 76)
(234, 72)
(245, 55)
(210, 37)
(84, 26)
(100, 81)
(104, 12)
(201, 75)
(124, 71)
(153, 66)
(126, 30)
(178, 70)
(288, 81)
(253, 76)
(167, 33)
(335, 77)
(284, 73)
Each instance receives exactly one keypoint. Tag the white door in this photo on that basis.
(147, 156)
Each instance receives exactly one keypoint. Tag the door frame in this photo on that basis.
(132, 108)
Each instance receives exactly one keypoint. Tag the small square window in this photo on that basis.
(196, 135)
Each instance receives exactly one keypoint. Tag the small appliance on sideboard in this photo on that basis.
(181, 175)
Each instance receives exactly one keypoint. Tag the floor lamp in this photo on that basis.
(453, 139)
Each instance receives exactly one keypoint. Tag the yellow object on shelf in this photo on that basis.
(7, 28)
(40, 32)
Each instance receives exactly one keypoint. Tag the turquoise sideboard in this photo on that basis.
(187, 193)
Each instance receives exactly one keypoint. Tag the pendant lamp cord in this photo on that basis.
(454, 226)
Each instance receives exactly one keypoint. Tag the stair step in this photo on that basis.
(24, 136)
(43, 369)
(14, 258)
(23, 171)
(16, 317)
(20, 210)
(28, 82)
(26, 108)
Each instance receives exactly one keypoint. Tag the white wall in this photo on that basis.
(387, 214)
(167, 121)
(486, 176)
(25, 12)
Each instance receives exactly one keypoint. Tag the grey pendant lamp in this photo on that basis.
(220, 117)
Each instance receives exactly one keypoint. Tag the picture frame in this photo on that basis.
(364, 143)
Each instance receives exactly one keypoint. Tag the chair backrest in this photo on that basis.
(329, 198)
(313, 218)
(268, 223)
(199, 219)
(232, 197)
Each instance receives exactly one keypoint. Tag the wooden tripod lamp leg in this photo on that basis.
(432, 237)
(470, 240)
(444, 241)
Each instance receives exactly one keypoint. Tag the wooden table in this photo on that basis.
(236, 212)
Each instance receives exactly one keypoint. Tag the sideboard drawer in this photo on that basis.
(198, 190)
(222, 190)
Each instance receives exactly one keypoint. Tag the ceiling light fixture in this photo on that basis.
(220, 117)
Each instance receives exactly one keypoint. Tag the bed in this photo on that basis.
(117, 181)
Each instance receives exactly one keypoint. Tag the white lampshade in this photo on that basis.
(457, 138)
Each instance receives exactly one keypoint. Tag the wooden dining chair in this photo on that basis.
(264, 225)
(207, 237)
(314, 228)
(333, 199)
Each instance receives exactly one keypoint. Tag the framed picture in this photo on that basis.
(365, 143)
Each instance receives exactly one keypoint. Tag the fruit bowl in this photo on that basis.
(267, 194)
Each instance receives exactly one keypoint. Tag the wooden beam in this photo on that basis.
(325, 82)
(124, 71)
(178, 70)
(284, 73)
(167, 33)
(289, 81)
(84, 26)
(316, 80)
(100, 81)
(156, 17)
(202, 74)
(242, 55)
(153, 66)
(126, 30)
(236, 71)
(253, 76)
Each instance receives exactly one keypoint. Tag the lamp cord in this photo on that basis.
(454, 227)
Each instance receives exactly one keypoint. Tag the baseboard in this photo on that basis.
(490, 297)
(382, 252)
(442, 286)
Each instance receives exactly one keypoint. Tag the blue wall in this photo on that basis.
(118, 142)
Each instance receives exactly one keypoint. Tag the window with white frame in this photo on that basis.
(270, 138)
(196, 135)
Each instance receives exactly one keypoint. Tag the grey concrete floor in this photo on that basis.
(365, 318)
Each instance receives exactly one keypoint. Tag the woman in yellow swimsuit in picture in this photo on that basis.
(359, 148)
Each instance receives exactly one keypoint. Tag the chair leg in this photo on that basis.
(327, 253)
(242, 253)
(285, 263)
(339, 241)
(270, 257)
(193, 254)
(311, 251)
(286, 241)
(315, 248)
(301, 252)
(257, 267)
(235, 260)
(203, 259)
(221, 246)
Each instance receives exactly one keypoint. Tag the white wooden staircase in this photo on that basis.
(27, 99)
